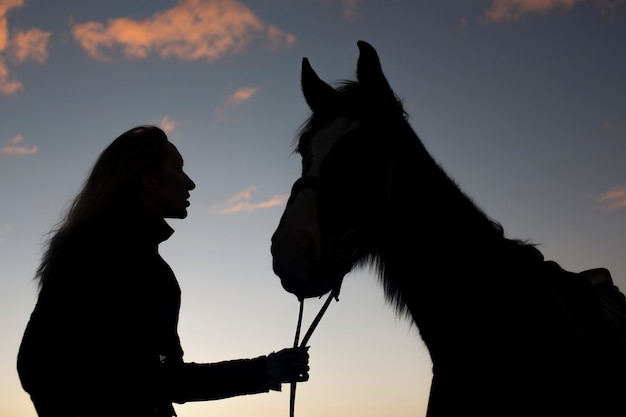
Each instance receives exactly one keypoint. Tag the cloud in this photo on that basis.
(508, 10)
(168, 125)
(23, 45)
(613, 199)
(14, 147)
(241, 95)
(240, 202)
(5, 6)
(513, 10)
(608, 6)
(31, 44)
(351, 9)
(7, 86)
(192, 30)
(278, 39)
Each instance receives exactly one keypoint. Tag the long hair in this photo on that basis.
(112, 188)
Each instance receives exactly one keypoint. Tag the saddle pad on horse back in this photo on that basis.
(613, 300)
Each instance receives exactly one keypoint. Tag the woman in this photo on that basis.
(102, 339)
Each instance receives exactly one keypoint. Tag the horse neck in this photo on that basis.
(445, 222)
(442, 263)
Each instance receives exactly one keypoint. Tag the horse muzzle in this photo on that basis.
(306, 282)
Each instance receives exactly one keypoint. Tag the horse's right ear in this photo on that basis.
(317, 93)
(370, 73)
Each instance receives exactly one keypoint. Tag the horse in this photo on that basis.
(508, 332)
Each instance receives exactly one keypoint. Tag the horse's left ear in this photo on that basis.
(317, 93)
(370, 73)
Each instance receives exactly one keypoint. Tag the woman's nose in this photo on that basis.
(190, 184)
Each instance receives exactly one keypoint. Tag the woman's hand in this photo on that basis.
(287, 365)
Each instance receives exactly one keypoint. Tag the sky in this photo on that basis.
(523, 102)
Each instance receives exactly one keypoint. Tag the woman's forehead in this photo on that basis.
(171, 152)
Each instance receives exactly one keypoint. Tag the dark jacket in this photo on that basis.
(102, 339)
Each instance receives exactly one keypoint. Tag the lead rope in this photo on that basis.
(305, 339)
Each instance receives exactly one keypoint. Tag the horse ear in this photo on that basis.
(316, 92)
(370, 73)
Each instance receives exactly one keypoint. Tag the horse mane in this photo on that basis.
(354, 101)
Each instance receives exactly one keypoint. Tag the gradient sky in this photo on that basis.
(522, 101)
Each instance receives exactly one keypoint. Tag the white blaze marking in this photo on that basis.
(325, 138)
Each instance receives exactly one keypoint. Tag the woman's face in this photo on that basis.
(168, 188)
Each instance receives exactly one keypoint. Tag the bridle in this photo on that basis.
(318, 186)
(296, 343)
(351, 244)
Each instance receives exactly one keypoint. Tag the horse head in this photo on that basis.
(329, 220)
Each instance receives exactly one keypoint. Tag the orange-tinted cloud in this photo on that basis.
(23, 45)
(31, 44)
(240, 202)
(351, 9)
(192, 30)
(7, 86)
(15, 147)
(241, 95)
(508, 10)
(168, 125)
(512, 10)
(613, 199)
(5, 6)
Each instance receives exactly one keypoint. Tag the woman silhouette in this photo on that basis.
(102, 339)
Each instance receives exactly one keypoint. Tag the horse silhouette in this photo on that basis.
(509, 333)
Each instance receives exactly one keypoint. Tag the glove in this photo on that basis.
(287, 365)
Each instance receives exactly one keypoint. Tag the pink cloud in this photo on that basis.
(19, 150)
(617, 204)
(24, 45)
(240, 202)
(278, 39)
(351, 9)
(192, 30)
(510, 10)
(613, 199)
(31, 44)
(6, 5)
(240, 96)
(14, 147)
(168, 125)
(7, 86)
(617, 192)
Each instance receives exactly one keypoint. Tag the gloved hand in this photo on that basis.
(287, 365)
